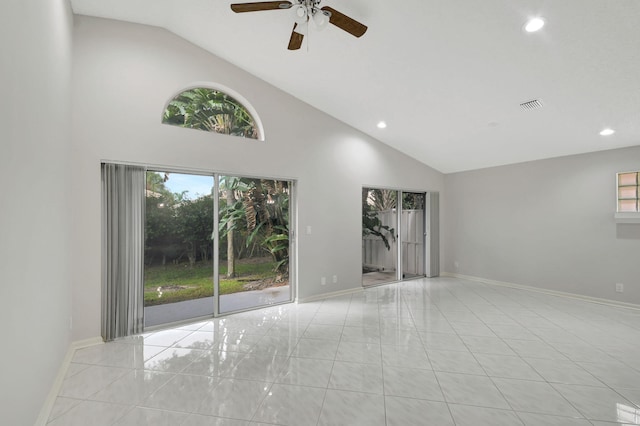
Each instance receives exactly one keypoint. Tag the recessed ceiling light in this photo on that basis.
(533, 25)
(607, 132)
(382, 125)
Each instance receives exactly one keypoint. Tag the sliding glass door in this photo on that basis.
(214, 244)
(178, 253)
(412, 226)
(393, 235)
(379, 236)
(253, 243)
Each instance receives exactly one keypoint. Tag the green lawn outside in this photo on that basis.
(197, 282)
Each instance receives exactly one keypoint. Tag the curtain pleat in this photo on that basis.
(123, 209)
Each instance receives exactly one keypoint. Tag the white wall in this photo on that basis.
(35, 295)
(547, 224)
(123, 76)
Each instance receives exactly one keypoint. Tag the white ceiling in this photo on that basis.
(446, 75)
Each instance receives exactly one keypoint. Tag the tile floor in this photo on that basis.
(429, 352)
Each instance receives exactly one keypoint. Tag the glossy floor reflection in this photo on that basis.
(429, 352)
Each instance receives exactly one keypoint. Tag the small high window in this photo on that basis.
(211, 110)
(629, 192)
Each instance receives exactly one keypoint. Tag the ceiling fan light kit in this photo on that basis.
(321, 19)
(301, 14)
(305, 11)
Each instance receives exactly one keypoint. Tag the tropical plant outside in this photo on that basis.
(210, 110)
(259, 211)
(374, 201)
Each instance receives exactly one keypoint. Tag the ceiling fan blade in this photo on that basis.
(261, 5)
(295, 42)
(343, 22)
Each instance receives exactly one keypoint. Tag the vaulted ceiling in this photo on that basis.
(447, 77)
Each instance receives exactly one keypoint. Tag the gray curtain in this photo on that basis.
(123, 215)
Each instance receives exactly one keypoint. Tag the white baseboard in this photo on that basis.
(330, 295)
(45, 411)
(598, 300)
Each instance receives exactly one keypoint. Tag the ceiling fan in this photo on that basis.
(305, 11)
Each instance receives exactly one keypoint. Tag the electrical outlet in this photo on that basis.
(323, 281)
(619, 287)
(335, 279)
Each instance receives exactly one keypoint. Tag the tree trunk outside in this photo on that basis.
(231, 256)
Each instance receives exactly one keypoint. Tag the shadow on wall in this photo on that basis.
(628, 231)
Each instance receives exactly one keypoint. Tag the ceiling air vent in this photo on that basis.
(532, 104)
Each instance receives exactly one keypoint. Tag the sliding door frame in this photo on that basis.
(431, 234)
(216, 245)
(425, 258)
(293, 260)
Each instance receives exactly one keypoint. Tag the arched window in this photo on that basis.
(211, 110)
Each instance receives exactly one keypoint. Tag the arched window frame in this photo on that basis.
(229, 92)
